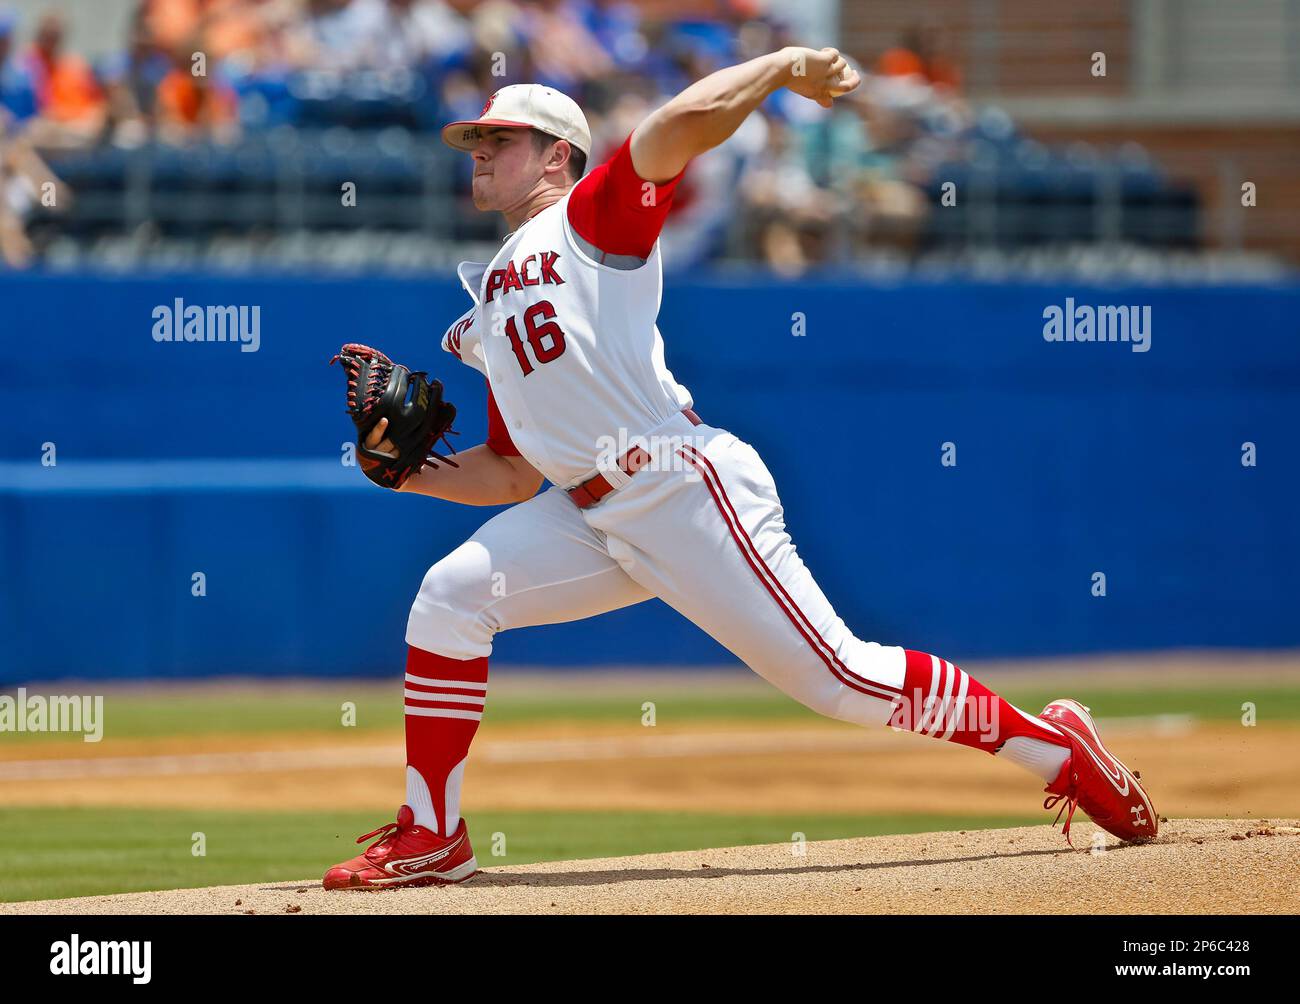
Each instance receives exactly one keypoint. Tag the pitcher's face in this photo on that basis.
(507, 168)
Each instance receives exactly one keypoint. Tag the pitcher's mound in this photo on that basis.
(1196, 866)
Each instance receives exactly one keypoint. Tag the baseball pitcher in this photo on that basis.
(647, 497)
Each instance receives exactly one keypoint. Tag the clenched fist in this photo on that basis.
(819, 74)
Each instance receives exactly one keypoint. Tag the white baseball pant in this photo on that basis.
(702, 529)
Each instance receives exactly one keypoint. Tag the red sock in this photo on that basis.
(444, 704)
(943, 701)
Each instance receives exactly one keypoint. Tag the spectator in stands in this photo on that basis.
(411, 34)
(169, 23)
(25, 178)
(782, 204)
(71, 108)
(797, 177)
(17, 93)
(15, 247)
(131, 82)
(244, 28)
(26, 185)
(565, 53)
(333, 35)
(248, 33)
(494, 26)
(918, 54)
(16, 103)
(872, 146)
(616, 25)
(194, 108)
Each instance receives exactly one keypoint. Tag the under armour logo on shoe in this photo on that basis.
(1139, 819)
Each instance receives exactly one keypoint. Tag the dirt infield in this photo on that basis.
(1197, 866)
(541, 755)
(1194, 770)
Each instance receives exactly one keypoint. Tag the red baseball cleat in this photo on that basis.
(1096, 780)
(406, 855)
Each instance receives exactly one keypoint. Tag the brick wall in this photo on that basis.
(1013, 47)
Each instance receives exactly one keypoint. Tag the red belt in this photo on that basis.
(594, 489)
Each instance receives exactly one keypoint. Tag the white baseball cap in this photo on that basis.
(525, 106)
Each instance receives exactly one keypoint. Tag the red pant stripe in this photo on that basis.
(773, 585)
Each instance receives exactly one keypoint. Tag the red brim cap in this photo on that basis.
(465, 135)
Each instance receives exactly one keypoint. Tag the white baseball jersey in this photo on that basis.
(569, 345)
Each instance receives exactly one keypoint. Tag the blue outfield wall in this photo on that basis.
(1071, 459)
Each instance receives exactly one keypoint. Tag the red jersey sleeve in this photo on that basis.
(617, 210)
(498, 437)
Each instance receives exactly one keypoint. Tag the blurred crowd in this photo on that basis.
(797, 186)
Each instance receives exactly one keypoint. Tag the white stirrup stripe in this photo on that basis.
(428, 695)
(959, 707)
(944, 705)
(945, 702)
(931, 694)
(418, 797)
(424, 681)
(473, 716)
(934, 704)
(451, 797)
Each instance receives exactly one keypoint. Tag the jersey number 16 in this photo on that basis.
(544, 336)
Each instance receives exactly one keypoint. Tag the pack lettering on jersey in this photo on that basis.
(534, 270)
(569, 346)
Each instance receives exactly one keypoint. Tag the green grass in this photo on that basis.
(378, 707)
(1217, 703)
(54, 853)
(139, 714)
(1211, 703)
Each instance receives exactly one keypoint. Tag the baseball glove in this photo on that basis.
(417, 415)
